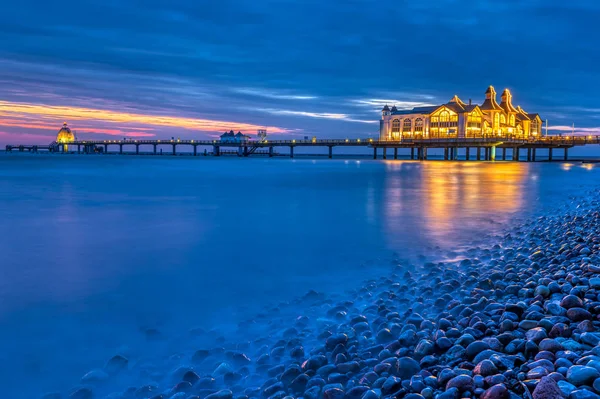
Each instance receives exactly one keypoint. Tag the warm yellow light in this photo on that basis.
(158, 141)
(293, 141)
(371, 140)
(590, 137)
(347, 140)
(567, 137)
(266, 141)
(358, 140)
(192, 141)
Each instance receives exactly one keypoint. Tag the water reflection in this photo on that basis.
(437, 200)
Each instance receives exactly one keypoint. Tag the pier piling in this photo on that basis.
(550, 154)
(330, 151)
(395, 152)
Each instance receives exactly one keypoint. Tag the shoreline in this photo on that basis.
(492, 325)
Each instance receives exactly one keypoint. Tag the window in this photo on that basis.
(473, 124)
(418, 125)
(496, 121)
(502, 119)
(396, 126)
(535, 127)
(444, 117)
(512, 120)
(406, 126)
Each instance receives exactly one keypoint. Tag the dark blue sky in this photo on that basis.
(194, 68)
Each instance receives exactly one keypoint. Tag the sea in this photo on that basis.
(96, 250)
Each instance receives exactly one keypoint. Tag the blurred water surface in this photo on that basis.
(94, 249)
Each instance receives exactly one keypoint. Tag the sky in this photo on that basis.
(196, 68)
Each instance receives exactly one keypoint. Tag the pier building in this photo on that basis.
(65, 135)
(457, 119)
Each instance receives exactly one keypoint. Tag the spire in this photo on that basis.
(457, 100)
(394, 109)
(386, 108)
(506, 103)
(490, 103)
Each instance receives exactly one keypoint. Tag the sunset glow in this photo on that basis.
(108, 122)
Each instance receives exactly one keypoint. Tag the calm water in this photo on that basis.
(94, 249)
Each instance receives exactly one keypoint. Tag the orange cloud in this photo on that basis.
(37, 116)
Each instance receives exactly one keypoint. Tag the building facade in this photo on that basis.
(457, 119)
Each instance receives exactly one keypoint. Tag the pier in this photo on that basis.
(480, 149)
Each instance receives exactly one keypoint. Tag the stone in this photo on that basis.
(582, 375)
(571, 301)
(583, 394)
(578, 314)
(547, 388)
(461, 382)
(474, 348)
(407, 367)
(94, 376)
(498, 391)
(82, 393)
(485, 368)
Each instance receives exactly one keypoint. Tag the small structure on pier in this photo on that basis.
(65, 136)
(231, 137)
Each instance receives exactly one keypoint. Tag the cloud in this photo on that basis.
(32, 115)
(317, 115)
(214, 65)
(272, 94)
(378, 104)
(576, 129)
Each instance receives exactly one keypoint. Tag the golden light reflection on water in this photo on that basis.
(437, 199)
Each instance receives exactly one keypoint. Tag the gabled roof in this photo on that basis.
(457, 100)
(239, 134)
(386, 108)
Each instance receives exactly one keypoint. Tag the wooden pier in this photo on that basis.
(481, 148)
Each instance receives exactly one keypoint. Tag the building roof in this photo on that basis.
(417, 110)
(385, 108)
(239, 134)
(457, 100)
(490, 103)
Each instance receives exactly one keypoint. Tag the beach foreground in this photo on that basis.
(519, 319)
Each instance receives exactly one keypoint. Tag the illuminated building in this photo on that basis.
(457, 119)
(231, 137)
(65, 135)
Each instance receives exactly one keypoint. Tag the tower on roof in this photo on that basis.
(506, 103)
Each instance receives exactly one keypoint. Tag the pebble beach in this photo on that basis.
(519, 319)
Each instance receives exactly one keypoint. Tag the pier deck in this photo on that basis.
(485, 147)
